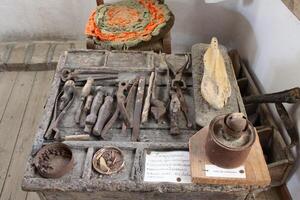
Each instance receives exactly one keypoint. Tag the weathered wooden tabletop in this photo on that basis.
(83, 182)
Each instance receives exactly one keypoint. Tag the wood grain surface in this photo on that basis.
(257, 173)
(23, 100)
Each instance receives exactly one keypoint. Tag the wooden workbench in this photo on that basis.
(83, 182)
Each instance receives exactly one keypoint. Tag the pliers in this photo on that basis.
(121, 108)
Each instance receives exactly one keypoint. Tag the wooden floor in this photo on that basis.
(22, 98)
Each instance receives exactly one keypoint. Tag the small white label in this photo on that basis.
(170, 166)
(214, 171)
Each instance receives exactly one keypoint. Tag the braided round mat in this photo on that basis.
(128, 23)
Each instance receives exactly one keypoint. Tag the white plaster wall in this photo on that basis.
(39, 19)
(265, 32)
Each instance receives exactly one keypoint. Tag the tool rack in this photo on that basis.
(83, 182)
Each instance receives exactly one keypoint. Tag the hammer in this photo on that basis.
(86, 90)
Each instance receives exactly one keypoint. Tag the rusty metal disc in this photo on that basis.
(108, 160)
(224, 148)
(54, 160)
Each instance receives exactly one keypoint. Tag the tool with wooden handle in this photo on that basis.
(68, 89)
(88, 103)
(82, 75)
(158, 108)
(86, 90)
(109, 124)
(82, 137)
(174, 113)
(53, 131)
(103, 115)
(138, 110)
(121, 100)
(92, 117)
(86, 109)
(184, 107)
(130, 101)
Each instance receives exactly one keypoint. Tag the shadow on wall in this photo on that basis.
(197, 21)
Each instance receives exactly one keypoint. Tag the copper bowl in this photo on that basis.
(54, 160)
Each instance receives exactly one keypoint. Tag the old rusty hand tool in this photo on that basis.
(86, 90)
(92, 117)
(52, 131)
(103, 114)
(148, 99)
(82, 75)
(163, 70)
(184, 107)
(68, 89)
(178, 84)
(158, 107)
(177, 71)
(138, 110)
(174, 113)
(121, 100)
(130, 100)
(286, 96)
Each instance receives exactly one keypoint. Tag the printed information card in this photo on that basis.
(167, 166)
(214, 171)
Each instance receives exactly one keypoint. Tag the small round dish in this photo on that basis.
(108, 160)
(54, 160)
